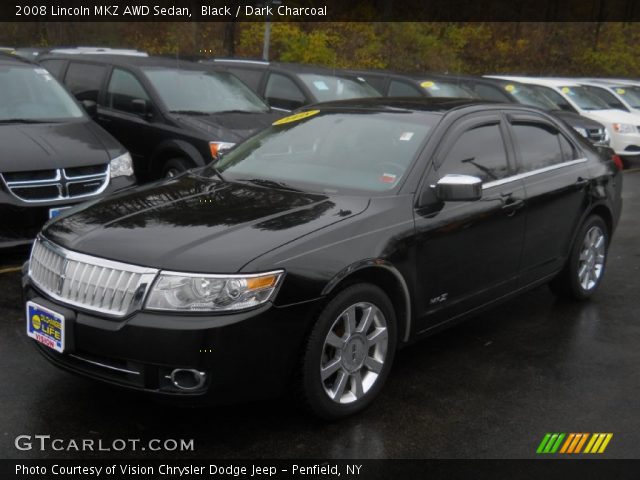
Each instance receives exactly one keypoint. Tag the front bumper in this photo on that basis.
(21, 221)
(626, 144)
(246, 355)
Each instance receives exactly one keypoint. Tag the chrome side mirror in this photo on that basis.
(459, 188)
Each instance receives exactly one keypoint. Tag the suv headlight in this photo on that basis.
(211, 293)
(218, 147)
(581, 131)
(624, 128)
(121, 166)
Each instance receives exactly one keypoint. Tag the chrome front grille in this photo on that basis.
(84, 281)
(58, 184)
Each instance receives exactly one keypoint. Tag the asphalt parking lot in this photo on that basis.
(488, 388)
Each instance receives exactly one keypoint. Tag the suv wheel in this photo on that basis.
(175, 166)
(349, 352)
(586, 264)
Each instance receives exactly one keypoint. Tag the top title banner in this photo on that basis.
(319, 11)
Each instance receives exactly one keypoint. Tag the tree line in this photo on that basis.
(567, 48)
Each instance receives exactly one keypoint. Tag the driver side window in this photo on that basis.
(479, 152)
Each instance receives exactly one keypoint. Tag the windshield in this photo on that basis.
(446, 89)
(195, 91)
(528, 96)
(630, 94)
(584, 99)
(331, 152)
(327, 87)
(32, 94)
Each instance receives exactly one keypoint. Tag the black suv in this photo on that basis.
(53, 155)
(307, 255)
(287, 86)
(171, 114)
(392, 84)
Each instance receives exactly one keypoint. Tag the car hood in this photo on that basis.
(196, 224)
(611, 116)
(227, 127)
(52, 145)
(576, 120)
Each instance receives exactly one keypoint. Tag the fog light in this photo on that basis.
(187, 379)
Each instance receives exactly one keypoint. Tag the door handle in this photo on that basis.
(511, 206)
(581, 182)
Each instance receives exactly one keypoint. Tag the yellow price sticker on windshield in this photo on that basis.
(427, 84)
(621, 91)
(510, 88)
(296, 117)
(566, 89)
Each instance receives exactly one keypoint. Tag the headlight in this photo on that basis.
(121, 166)
(211, 293)
(581, 131)
(624, 128)
(218, 147)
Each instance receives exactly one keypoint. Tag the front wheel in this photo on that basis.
(175, 166)
(349, 352)
(585, 267)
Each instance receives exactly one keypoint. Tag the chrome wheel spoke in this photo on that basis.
(340, 385)
(377, 336)
(357, 389)
(373, 365)
(350, 320)
(334, 341)
(330, 368)
(367, 319)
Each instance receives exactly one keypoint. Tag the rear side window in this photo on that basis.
(123, 89)
(540, 146)
(479, 152)
(249, 76)
(54, 67)
(84, 80)
(282, 92)
(403, 89)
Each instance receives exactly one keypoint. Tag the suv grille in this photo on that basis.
(89, 282)
(59, 184)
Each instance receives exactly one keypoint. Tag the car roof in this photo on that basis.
(439, 105)
(289, 67)
(129, 60)
(544, 81)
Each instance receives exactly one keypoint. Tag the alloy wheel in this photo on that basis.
(354, 352)
(592, 257)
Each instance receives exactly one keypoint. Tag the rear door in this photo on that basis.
(556, 179)
(468, 253)
(117, 115)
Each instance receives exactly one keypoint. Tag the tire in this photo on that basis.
(586, 264)
(338, 393)
(175, 166)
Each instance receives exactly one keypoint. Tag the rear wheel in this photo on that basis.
(585, 267)
(349, 352)
(175, 166)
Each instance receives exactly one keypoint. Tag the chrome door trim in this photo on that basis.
(521, 176)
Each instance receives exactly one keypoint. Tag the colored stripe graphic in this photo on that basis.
(550, 443)
(573, 443)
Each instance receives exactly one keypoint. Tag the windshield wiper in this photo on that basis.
(263, 182)
(241, 111)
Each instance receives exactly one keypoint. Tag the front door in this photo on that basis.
(468, 253)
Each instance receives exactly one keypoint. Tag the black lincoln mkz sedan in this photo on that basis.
(315, 249)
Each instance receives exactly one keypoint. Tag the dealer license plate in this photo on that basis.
(45, 326)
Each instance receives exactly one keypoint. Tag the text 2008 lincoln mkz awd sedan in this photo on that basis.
(316, 248)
